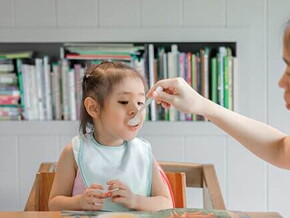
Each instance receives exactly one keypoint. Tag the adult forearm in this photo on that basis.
(261, 139)
(152, 203)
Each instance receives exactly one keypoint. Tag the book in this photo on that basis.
(16, 55)
(152, 80)
(78, 74)
(98, 57)
(56, 91)
(71, 89)
(8, 78)
(188, 63)
(47, 88)
(226, 81)
(221, 72)
(39, 88)
(173, 72)
(182, 73)
(167, 213)
(6, 67)
(206, 71)
(64, 89)
(213, 79)
(230, 79)
(20, 80)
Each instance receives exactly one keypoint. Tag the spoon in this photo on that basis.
(136, 119)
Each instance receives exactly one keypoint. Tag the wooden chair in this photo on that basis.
(177, 182)
(39, 194)
(200, 176)
(179, 174)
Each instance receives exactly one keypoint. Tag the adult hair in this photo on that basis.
(98, 82)
(286, 37)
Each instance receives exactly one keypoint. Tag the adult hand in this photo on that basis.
(92, 198)
(177, 93)
(121, 193)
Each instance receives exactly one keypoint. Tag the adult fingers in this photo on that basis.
(166, 84)
(165, 105)
(165, 97)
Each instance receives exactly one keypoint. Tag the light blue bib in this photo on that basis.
(131, 163)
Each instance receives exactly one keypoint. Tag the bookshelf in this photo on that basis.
(200, 79)
(52, 49)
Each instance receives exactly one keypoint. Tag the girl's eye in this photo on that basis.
(123, 102)
(140, 103)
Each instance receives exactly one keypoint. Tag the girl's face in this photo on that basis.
(120, 106)
(285, 79)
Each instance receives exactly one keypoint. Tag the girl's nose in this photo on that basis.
(133, 110)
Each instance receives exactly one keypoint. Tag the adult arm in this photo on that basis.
(263, 140)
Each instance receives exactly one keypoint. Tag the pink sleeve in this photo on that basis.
(165, 179)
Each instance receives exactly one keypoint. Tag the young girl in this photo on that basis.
(105, 167)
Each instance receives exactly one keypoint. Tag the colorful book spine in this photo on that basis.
(64, 89)
(206, 72)
(47, 88)
(71, 95)
(152, 80)
(56, 91)
(193, 77)
(20, 80)
(188, 63)
(40, 88)
(222, 54)
(226, 81)
(214, 80)
(182, 74)
(98, 57)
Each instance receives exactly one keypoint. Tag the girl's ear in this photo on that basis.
(92, 107)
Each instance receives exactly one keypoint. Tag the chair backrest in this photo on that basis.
(200, 176)
(43, 188)
(177, 182)
(39, 195)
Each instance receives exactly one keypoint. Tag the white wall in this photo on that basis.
(256, 25)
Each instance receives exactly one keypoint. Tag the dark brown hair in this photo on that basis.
(286, 35)
(98, 82)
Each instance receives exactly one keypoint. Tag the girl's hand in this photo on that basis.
(122, 195)
(177, 93)
(92, 198)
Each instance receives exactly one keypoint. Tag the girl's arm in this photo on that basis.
(61, 193)
(160, 199)
(60, 196)
(264, 141)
